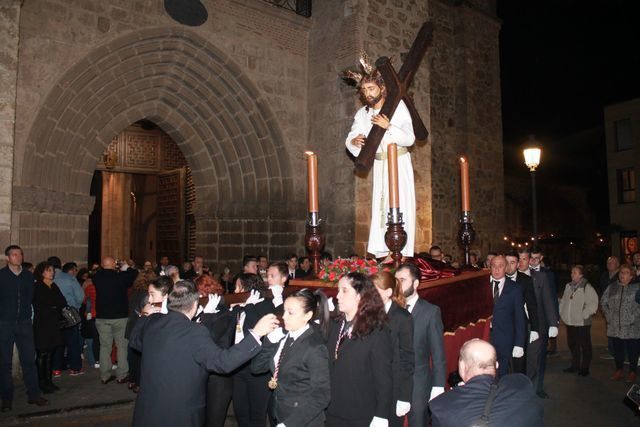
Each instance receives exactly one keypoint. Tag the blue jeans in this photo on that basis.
(71, 337)
(20, 334)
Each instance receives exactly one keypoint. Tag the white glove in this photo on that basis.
(379, 422)
(330, 304)
(533, 335)
(124, 266)
(402, 408)
(518, 352)
(164, 309)
(435, 392)
(281, 425)
(89, 316)
(553, 331)
(277, 295)
(254, 298)
(212, 305)
(276, 335)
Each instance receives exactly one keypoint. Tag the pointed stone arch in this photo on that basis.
(193, 91)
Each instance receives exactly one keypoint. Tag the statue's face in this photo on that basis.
(371, 93)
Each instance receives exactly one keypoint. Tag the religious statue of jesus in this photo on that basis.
(399, 130)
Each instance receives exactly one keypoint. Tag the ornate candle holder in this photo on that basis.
(466, 235)
(395, 237)
(314, 240)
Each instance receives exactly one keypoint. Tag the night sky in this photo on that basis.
(561, 63)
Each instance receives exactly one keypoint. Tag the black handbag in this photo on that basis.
(70, 317)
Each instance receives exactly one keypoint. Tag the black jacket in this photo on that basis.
(111, 293)
(16, 294)
(401, 326)
(47, 314)
(177, 356)
(515, 403)
(361, 378)
(303, 391)
(529, 298)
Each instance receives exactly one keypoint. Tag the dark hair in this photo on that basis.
(492, 253)
(247, 259)
(164, 284)
(326, 255)
(370, 314)
(69, 266)
(386, 280)
(81, 273)
(536, 250)
(38, 273)
(414, 271)
(55, 262)
(302, 259)
(143, 280)
(513, 254)
(291, 255)
(315, 302)
(183, 296)
(259, 257)
(435, 248)
(376, 78)
(524, 250)
(250, 282)
(282, 268)
(27, 265)
(11, 248)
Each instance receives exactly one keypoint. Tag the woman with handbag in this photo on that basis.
(48, 302)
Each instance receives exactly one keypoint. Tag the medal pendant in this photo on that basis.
(273, 383)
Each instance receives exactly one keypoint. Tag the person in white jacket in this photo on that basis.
(579, 304)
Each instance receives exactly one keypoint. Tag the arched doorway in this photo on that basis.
(145, 199)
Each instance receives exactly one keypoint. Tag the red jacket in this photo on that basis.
(90, 298)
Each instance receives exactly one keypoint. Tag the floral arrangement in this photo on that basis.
(336, 269)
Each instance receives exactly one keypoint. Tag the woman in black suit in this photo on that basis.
(47, 314)
(360, 354)
(299, 363)
(401, 327)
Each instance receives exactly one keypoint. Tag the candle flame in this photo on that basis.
(309, 153)
(463, 159)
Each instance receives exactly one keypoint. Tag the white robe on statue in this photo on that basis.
(401, 132)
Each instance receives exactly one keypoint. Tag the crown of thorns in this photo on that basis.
(354, 77)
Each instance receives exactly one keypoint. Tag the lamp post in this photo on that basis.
(532, 160)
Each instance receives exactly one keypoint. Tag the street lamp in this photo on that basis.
(532, 160)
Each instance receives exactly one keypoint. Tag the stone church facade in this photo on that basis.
(243, 96)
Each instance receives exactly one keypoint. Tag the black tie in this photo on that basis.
(496, 289)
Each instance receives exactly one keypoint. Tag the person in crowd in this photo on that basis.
(360, 355)
(610, 275)
(430, 365)
(507, 401)
(635, 259)
(112, 314)
(304, 267)
(548, 318)
(435, 253)
(47, 314)
(173, 272)
(299, 363)
(88, 329)
(220, 323)
(623, 323)
(292, 264)
(487, 260)
(196, 270)
(74, 295)
(148, 266)
(138, 299)
(16, 328)
(263, 265)
(178, 356)
(162, 266)
(82, 276)
(277, 278)
(538, 264)
(227, 281)
(579, 305)
(508, 326)
(401, 327)
(28, 266)
(474, 259)
(325, 258)
(250, 264)
(525, 284)
(250, 391)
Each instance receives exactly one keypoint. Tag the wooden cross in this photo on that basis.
(397, 84)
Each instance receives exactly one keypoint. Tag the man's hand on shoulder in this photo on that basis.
(266, 324)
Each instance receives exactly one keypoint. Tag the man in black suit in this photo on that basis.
(508, 327)
(428, 345)
(178, 355)
(514, 403)
(547, 319)
(525, 284)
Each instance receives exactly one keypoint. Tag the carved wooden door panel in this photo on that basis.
(171, 216)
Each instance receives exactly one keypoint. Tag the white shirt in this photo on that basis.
(500, 285)
(387, 306)
(295, 335)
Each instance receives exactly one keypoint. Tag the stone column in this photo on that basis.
(10, 36)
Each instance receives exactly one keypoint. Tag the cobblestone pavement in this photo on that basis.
(574, 401)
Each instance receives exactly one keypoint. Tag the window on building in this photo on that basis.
(626, 185)
(623, 135)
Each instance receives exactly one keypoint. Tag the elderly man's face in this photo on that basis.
(498, 267)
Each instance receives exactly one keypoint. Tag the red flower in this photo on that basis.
(332, 276)
(373, 270)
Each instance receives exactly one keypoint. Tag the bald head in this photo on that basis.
(108, 263)
(477, 357)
